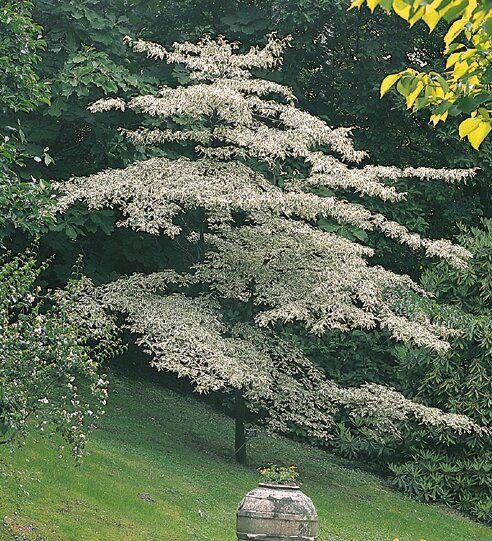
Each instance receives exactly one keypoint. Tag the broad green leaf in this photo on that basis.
(360, 235)
(407, 84)
(453, 10)
(455, 47)
(467, 104)
(487, 76)
(442, 81)
(388, 82)
(70, 232)
(421, 102)
(416, 15)
(487, 26)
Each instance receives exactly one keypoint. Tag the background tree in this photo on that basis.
(20, 86)
(51, 343)
(20, 90)
(466, 85)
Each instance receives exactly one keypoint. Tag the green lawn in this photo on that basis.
(178, 451)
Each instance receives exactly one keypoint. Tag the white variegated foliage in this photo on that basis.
(256, 166)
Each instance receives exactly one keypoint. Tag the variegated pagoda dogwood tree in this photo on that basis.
(254, 176)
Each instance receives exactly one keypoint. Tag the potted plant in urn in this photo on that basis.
(277, 510)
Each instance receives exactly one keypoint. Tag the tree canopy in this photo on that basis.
(465, 86)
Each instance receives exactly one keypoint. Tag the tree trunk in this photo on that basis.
(240, 434)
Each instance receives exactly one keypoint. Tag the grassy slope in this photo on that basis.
(177, 450)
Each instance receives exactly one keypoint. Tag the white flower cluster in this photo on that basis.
(251, 152)
(242, 122)
(215, 58)
(187, 336)
(293, 272)
(383, 404)
(108, 105)
(152, 192)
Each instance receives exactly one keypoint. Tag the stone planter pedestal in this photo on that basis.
(277, 513)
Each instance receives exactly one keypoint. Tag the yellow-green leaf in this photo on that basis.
(454, 30)
(386, 5)
(479, 134)
(356, 4)
(431, 17)
(402, 9)
(468, 54)
(416, 16)
(472, 6)
(388, 82)
(468, 125)
(415, 94)
(435, 119)
(372, 4)
(453, 9)
(460, 68)
(452, 59)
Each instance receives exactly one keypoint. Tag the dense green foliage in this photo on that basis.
(20, 85)
(335, 65)
(23, 204)
(161, 468)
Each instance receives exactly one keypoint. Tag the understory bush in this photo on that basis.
(51, 350)
(429, 464)
(426, 464)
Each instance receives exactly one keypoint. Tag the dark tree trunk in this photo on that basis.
(240, 433)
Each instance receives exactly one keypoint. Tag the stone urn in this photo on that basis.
(277, 513)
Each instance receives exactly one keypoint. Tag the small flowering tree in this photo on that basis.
(51, 348)
(248, 184)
